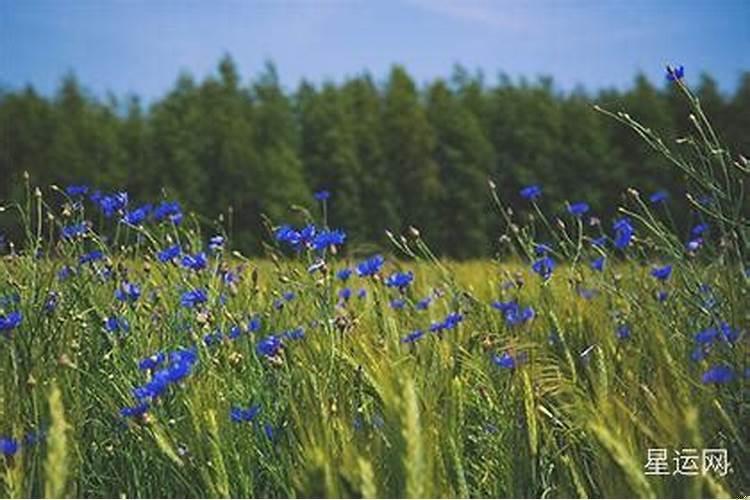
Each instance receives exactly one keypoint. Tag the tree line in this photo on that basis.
(392, 153)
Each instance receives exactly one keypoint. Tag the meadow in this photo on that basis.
(142, 356)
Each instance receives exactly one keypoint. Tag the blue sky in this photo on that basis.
(141, 46)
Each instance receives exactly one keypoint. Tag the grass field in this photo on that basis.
(141, 358)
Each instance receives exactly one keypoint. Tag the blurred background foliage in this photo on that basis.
(393, 153)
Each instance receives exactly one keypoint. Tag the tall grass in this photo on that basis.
(352, 409)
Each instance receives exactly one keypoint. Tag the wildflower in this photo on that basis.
(116, 324)
(152, 362)
(718, 374)
(10, 321)
(65, 272)
(344, 274)
(600, 242)
(544, 267)
(128, 292)
(287, 234)
(254, 324)
(413, 337)
(587, 293)
(134, 411)
(168, 210)
(76, 191)
(624, 233)
(75, 230)
(728, 334)
(8, 446)
(694, 245)
(326, 239)
(452, 320)
(269, 346)
(195, 262)
(51, 303)
(295, 334)
(662, 273)
(212, 338)
(399, 280)
(659, 197)
(322, 195)
(398, 304)
(216, 243)
(674, 74)
(504, 361)
(623, 332)
(662, 295)
(361, 293)
(706, 336)
(578, 209)
(371, 266)
(239, 414)
(345, 294)
(138, 216)
(289, 296)
(531, 192)
(110, 204)
(169, 253)
(514, 314)
(424, 303)
(92, 256)
(268, 431)
(699, 229)
(598, 264)
(192, 298)
(542, 249)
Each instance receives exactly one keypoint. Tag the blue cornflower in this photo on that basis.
(728, 334)
(718, 374)
(674, 74)
(694, 245)
(544, 267)
(289, 296)
(10, 321)
(239, 414)
(706, 336)
(74, 230)
(600, 242)
(216, 242)
(531, 192)
(169, 253)
(514, 314)
(659, 197)
(110, 204)
(399, 280)
(287, 234)
(541, 249)
(234, 332)
(371, 266)
(51, 303)
(269, 346)
(504, 361)
(623, 332)
(699, 229)
(424, 303)
(598, 264)
(212, 338)
(326, 239)
(195, 262)
(344, 274)
(295, 334)
(8, 446)
(452, 320)
(361, 293)
(268, 431)
(398, 304)
(116, 324)
(128, 292)
(138, 216)
(65, 272)
(168, 210)
(662, 295)
(76, 191)
(413, 337)
(152, 362)
(578, 209)
(345, 294)
(134, 411)
(254, 324)
(624, 233)
(662, 273)
(192, 298)
(92, 256)
(322, 195)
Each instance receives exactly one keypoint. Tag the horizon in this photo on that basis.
(137, 48)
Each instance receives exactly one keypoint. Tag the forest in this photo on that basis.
(392, 152)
